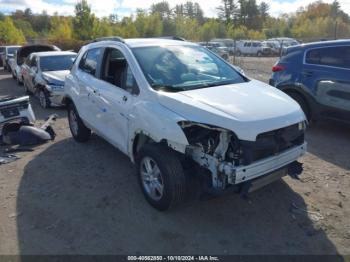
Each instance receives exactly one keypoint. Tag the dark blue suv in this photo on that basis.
(317, 76)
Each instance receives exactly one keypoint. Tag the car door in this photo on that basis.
(249, 48)
(87, 81)
(326, 72)
(117, 94)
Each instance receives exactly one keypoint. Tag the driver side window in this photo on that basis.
(116, 71)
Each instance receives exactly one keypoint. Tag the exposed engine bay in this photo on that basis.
(221, 152)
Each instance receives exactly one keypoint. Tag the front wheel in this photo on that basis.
(161, 176)
(79, 131)
(44, 99)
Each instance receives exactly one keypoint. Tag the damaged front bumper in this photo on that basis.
(56, 98)
(224, 173)
(56, 94)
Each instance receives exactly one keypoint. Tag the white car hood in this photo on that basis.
(247, 109)
(57, 75)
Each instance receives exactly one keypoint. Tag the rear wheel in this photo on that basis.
(79, 131)
(44, 98)
(161, 176)
(303, 104)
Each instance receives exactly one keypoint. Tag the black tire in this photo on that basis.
(172, 173)
(44, 99)
(79, 132)
(303, 104)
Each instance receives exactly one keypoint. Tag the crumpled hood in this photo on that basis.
(247, 109)
(57, 77)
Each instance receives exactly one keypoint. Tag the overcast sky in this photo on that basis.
(126, 7)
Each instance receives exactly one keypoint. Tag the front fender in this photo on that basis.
(158, 123)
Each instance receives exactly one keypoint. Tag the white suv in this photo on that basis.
(183, 114)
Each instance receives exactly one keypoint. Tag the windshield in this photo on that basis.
(181, 68)
(56, 63)
(12, 50)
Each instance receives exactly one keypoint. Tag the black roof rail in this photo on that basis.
(109, 38)
(171, 38)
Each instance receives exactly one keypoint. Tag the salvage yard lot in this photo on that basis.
(70, 198)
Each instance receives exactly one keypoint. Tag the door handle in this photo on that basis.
(125, 98)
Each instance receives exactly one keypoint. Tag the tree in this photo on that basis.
(83, 22)
(9, 34)
(61, 29)
(227, 11)
(26, 28)
(207, 32)
(163, 9)
(264, 10)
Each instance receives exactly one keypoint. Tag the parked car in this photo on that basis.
(182, 113)
(275, 47)
(2, 51)
(317, 76)
(285, 41)
(217, 48)
(12, 66)
(44, 74)
(226, 42)
(252, 48)
(8, 53)
(23, 52)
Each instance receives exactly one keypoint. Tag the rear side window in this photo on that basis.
(338, 56)
(90, 60)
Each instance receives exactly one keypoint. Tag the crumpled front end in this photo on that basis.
(232, 161)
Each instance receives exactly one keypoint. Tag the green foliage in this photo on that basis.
(26, 28)
(61, 29)
(9, 34)
(84, 21)
(237, 19)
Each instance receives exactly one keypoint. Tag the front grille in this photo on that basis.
(271, 143)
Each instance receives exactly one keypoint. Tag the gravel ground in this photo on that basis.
(69, 198)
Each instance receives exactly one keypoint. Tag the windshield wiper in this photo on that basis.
(168, 88)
